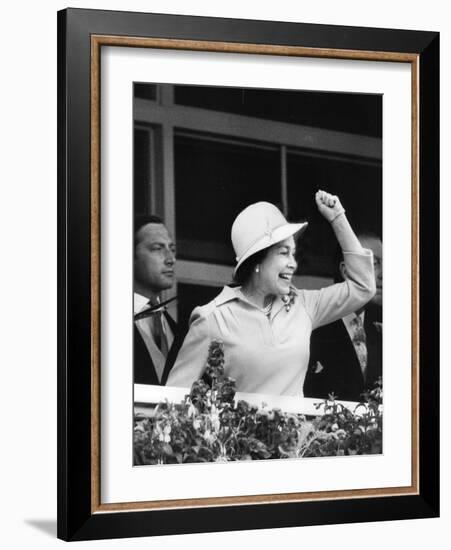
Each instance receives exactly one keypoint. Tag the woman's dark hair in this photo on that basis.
(247, 267)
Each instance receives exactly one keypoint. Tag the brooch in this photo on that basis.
(288, 300)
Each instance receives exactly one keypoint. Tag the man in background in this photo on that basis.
(346, 356)
(156, 339)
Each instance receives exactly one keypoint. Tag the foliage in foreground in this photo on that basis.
(208, 426)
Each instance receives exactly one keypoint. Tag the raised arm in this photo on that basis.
(332, 210)
(335, 301)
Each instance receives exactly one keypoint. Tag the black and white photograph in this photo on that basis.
(257, 274)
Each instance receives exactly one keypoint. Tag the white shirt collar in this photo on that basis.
(140, 302)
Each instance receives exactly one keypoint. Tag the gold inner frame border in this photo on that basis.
(97, 41)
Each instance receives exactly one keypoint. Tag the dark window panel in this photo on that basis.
(145, 91)
(141, 171)
(214, 181)
(190, 296)
(359, 187)
(345, 112)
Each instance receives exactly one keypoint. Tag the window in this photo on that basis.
(215, 178)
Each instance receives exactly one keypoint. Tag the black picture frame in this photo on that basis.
(78, 515)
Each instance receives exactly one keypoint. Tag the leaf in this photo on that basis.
(167, 449)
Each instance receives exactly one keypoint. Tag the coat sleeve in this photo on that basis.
(192, 357)
(334, 302)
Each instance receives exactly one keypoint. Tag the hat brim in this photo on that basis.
(279, 234)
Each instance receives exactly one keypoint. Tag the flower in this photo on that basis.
(197, 423)
(209, 436)
(191, 411)
(163, 434)
(226, 389)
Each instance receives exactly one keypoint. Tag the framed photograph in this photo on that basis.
(232, 196)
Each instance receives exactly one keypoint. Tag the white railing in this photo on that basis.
(146, 397)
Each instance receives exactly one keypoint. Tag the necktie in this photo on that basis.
(157, 328)
(153, 306)
(359, 342)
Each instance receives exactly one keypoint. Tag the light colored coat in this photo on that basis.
(270, 355)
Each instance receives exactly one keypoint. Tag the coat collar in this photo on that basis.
(229, 294)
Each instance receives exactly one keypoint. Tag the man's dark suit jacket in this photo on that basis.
(143, 367)
(341, 374)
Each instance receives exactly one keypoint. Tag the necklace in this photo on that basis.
(266, 309)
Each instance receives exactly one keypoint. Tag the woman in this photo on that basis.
(265, 323)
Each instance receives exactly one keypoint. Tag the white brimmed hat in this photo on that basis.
(259, 226)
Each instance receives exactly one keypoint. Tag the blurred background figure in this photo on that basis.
(346, 356)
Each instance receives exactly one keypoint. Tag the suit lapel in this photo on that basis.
(172, 324)
(373, 329)
(143, 367)
(179, 335)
